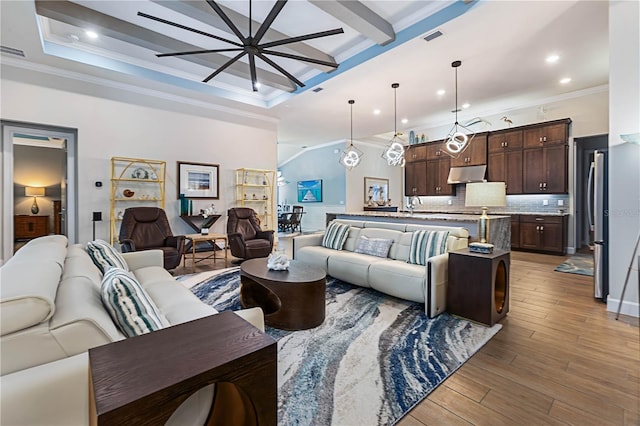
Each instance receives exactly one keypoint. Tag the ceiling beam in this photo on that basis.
(200, 10)
(359, 17)
(79, 16)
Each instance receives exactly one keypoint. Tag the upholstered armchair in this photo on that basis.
(147, 228)
(246, 239)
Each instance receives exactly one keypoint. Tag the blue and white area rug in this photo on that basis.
(581, 264)
(373, 359)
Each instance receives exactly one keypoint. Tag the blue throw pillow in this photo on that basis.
(426, 244)
(129, 305)
(104, 256)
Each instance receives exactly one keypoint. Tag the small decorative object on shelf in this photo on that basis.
(128, 193)
(481, 248)
(278, 261)
(140, 173)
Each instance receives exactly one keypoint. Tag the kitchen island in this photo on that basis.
(499, 225)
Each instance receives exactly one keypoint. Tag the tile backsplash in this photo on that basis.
(533, 203)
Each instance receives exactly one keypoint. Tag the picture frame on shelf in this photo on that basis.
(198, 180)
(376, 191)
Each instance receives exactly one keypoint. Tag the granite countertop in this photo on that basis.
(456, 217)
(470, 212)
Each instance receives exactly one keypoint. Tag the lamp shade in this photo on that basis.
(33, 191)
(486, 194)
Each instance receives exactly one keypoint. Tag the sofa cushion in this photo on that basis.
(335, 236)
(399, 279)
(128, 304)
(314, 255)
(105, 256)
(351, 267)
(426, 244)
(28, 293)
(373, 246)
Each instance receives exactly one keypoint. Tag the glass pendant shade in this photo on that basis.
(394, 151)
(351, 156)
(459, 136)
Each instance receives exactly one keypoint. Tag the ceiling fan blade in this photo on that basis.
(302, 38)
(226, 19)
(224, 66)
(197, 52)
(300, 58)
(273, 14)
(193, 30)
(252, 70)
(279, 68)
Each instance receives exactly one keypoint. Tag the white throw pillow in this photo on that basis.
(373, 246)
(105, 256)
(129, 305)
(335, 235)
(426, 244)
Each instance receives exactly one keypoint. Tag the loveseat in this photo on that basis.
(389, 273)
(51, 313)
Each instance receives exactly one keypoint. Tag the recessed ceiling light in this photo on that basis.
(91, 34)
(404, 121)
(376, 112)
(552, 59)
(565, 80)
(441, 92)
(466, 105)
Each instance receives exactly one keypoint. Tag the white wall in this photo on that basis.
(372, 165)
(624, 158)
(108, 128)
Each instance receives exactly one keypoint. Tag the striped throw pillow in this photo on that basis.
(426, 244)
(105, 256)
(335, 235)
(129, 305)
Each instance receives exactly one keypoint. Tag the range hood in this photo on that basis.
(466, 174)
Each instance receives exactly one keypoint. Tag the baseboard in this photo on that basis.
(571, 250)
(628, 308)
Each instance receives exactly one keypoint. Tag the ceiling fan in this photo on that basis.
(250, 45)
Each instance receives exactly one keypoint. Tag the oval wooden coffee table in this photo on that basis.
(291, 300)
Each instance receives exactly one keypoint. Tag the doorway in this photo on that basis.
(39, 183)
(585, 147)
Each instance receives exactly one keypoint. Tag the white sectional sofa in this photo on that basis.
(51, 313)
(392, 275)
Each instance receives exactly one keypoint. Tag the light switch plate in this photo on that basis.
(545, 202)
(560, 203)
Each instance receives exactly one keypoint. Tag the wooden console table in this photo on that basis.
(28, 227)
(144, 379)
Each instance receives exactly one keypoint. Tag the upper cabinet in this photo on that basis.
(505, 159)
(505, 140)
(416, 153)
(475, 154)
(550, 134)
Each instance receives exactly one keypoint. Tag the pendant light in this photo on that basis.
(458, 139)
(394, 152)
(351, 156)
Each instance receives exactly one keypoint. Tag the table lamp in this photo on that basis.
(32, 191)
(485, 194)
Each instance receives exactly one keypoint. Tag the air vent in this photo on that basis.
(433, 35)
(318, 89)
(12, 51)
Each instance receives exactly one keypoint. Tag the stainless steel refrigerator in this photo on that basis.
(599, 223)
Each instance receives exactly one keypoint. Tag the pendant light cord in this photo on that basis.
(395, 109)
(351, 102)
(456, 96)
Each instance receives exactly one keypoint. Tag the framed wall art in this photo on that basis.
(198, 180)
(310, 191)
(376, 191)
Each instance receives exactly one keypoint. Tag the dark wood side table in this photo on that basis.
(144, 379)
(478, 287)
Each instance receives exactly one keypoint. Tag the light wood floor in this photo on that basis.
(559, 359)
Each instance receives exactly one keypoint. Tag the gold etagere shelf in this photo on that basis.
(134, 182)
(255, 189)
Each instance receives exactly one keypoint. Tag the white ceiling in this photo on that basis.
(502, 46)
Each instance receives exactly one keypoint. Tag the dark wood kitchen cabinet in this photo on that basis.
(543, 233)
(415, 178)
(475, 154)
(505, 160)
(545, 170)
(416, 153)
(437, 174)
(556, 133)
